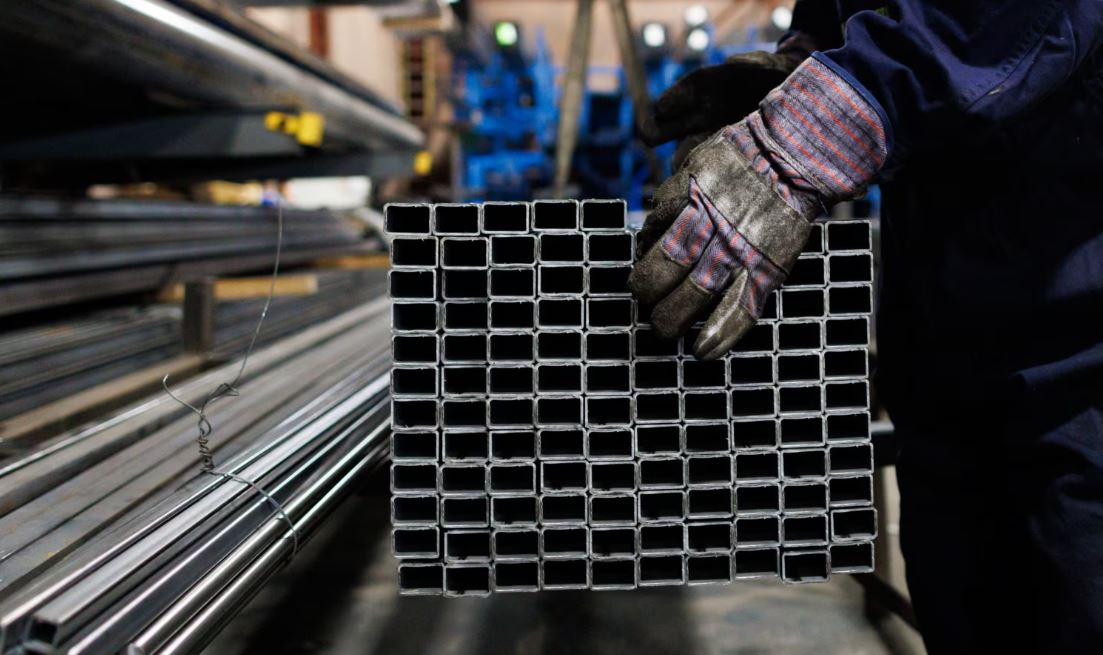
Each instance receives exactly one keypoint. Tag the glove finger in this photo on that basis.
(670, 199)
(654, 276)
(674, 314)
(728, 322)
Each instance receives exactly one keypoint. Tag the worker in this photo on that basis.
(981, 120)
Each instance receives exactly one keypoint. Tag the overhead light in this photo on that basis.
(698, 39)
(506, 34)
(654, 35)
(696, 15)
(782, 17)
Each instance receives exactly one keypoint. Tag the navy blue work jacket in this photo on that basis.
(992, 233)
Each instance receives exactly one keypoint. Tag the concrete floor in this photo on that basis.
(339, 596)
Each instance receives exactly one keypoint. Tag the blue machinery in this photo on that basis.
(506, 104)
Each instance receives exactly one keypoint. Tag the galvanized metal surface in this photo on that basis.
(544, 439)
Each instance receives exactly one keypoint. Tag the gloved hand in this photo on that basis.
(714, 96)
(731, 223)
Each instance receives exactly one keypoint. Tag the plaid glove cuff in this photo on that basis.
(815, 138)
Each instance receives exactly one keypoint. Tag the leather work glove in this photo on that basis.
(727, 228)
(711, 97)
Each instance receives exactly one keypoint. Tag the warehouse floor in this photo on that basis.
(340, 597)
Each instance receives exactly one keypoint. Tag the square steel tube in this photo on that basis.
(800, 399)
(559, 345)
(608, 346)
(561, 248)
(467, 580)
(466, 545)
(610, 444)
(414, 479)
(465, 512)
(562, 444)
(600, 215)
(400, 218)
(646, 344)
(462, 284)
(564, 541)
(709, 470)
(757, 498)
(709, 537)
(850, 458)
(514, 511)
(804, 497)
(415, 317)
(848, 235)
(800, 335)
(514, 283)
(850, 490)
(853, 524)
(462, 347)
(415, 446)
(611, 248)
(612, 574)
(559, 313)
(465, 446)
(566, 574)
(803, 303)
(559, 410)
(705, 406)
(609, 314)
(852, 558)
(754, 434)
(658, 440)
(662, 570)
(413, 414)
(511, 380)
(417, 578)
(516, 543)
(560, 280)
(751, 370)
(555, 215)
(512, 479)
(608, 281)
(463, 380)
(710, 503)
(415, 510)
(465, 315)
(850, 267)
(849, 300)
(799, 530)
(658, 407)
(563, 476)
(799, 367)
(848, 426)
(513, 250)
(463, 480)
(414, 252)
(662, 538)
(512, 315)
(510, 411)
(661, 506)
(846, 395)
(412, 284)
(516, 575)
(553, 378)
(809, 271)
(802, 432)
(805, 566)
(757, 531)
(407, 381)
(463, 413)
(614, 542)
(512, 445)
(816, 241)
(608, 411)
(708, 569)
(511, 347)
(563, 509)
(846, 332)
(705, 438)
(504, 218)
(455, 219)
(761, 562)
(613, 477)
(613, 509)
(846, 364)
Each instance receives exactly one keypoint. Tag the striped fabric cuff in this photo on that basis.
(815, 137)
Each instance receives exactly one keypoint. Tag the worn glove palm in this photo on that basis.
(730, 224)
(722, 226)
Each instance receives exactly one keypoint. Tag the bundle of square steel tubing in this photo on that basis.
(545, 439)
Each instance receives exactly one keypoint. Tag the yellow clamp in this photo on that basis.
(307, 127)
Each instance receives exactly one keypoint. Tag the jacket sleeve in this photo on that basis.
(939, 70)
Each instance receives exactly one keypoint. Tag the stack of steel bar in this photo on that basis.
(112, 539)
(55, 252)
(546, 439)
(42, 364)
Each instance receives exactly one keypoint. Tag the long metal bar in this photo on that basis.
(167, 48)
(574, 85)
